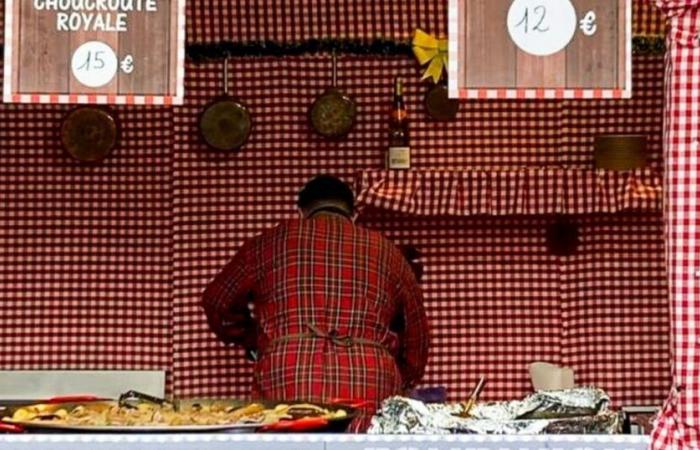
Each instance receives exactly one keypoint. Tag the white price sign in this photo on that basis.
(542, 27)
(94, 64)
(94, 51)
(540, 49)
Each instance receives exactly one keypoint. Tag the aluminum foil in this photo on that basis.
(572, 411)
(401, 415)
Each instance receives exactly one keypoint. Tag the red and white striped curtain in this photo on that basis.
(679, 424)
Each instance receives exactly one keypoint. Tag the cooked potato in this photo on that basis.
(146, 414)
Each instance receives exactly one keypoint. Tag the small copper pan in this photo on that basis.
(332, 115)
(439, 105)
(225, 123)
(89, 134)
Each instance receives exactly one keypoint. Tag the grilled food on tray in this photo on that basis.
(147, 414)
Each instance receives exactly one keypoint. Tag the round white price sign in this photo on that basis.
(94, 64)
(542, 27)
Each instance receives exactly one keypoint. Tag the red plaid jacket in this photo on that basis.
(338, 312)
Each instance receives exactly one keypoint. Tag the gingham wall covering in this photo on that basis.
(527, 191)
(647, 19)
(216, 20)
(493, 292)
(222, 200)
(601, 311)
(614, 312)
(582, 121)
(144, 232)
(85, 251)
(679, 425)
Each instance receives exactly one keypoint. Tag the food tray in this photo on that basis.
(331, 425)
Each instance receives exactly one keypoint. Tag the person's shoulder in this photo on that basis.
(368, 233)
(289, 224)
(273, 231)
(377, 239)
(283, 228)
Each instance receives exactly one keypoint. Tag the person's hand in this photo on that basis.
(235, 327)
(412, 255)
(233, 330)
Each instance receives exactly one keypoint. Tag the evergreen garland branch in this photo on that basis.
(200, 52)
(219, 50)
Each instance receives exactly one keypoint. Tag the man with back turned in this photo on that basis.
(319, 299)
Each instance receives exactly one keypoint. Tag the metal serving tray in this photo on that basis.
(333, 425)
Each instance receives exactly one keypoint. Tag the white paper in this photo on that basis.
(550, 377)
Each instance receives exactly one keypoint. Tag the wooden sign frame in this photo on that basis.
(458, 87)
(40, 59)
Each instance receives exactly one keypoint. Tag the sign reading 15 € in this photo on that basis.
(545, 27)
(94, 64)
(94, 51)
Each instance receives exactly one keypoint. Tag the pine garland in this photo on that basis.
(199, 52)
(648, 45)
(377, 47)
(641, 45)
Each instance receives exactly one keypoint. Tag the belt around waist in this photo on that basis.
(333, 337)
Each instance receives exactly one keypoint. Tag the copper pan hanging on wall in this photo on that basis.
(439, 104)
(89, 134)
(332, 115)
(225, 123)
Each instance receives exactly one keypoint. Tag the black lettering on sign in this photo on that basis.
(540, 12)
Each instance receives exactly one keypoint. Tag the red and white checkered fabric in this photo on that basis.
(510, 192)
(100, 251)
(647, 20)
(85, 250)
(615, 309)
(493, 292)
(502, 301)
(246, 20)
(679, 425)
(493, 298)
(582, 121)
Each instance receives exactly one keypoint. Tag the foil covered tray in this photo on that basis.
(571, 411)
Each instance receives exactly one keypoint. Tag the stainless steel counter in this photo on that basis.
(316, 442)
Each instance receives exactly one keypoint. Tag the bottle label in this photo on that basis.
(399, 158)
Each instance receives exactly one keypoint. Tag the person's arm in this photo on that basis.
(225, 300)
(415, 337)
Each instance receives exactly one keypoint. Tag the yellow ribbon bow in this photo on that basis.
(429, 49)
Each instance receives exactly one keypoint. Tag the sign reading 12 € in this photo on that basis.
(94, 51)
(540, 49)
(545, 27)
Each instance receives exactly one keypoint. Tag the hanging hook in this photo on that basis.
(226, 74)
(335, 74)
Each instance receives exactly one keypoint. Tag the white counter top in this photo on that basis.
(223, 441)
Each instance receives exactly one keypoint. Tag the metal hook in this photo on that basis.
(335, 74)
(226, 75)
